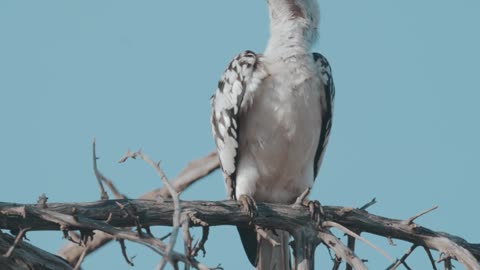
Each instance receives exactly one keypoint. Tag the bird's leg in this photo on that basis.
(248, 204)
(314, 207)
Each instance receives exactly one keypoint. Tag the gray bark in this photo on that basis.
(286, 217)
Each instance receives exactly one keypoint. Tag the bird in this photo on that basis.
(271, 120)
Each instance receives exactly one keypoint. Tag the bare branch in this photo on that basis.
(124, 252)
(166, 236)
(27, 256)
(187, 238)
(336, 262)
(81, 222)
(404, 257)
(194, 171)
(173, 194)
(341, 251)
(18, 239)
(80, 261)
(432, 260)
(90, 216)
(130, 212)
(283, 217)
(358, 237)
(351, 246)
(98, 175)
(370, 203)
(412, 219)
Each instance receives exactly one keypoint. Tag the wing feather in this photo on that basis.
(235, 91)
(327, 98)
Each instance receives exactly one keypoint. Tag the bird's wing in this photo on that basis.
(235, 92)
(327, 98)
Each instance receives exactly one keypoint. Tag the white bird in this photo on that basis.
(271, 120)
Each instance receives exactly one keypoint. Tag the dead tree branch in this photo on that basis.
(98, 174)
(194, 171)
(284, 217)
(173, 194)
(106, 218)
(27, 256)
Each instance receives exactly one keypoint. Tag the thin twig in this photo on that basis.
(410, 220)
(90, 224)
(162, 264)
(390, 241)
(406, 266)
(404, 257)
(187, 239)
(446, 259)
(80, 260)
(351, 246)
(18, 239)
(166, 236)
(341, 251)
(194, 171)
(124, 251)
(98, 175)
(353, 234)
(109, 218)
(336, 263)
(430, 256)
(132, 215)
(367, 205)
(173, 193)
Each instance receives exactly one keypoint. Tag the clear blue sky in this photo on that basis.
(140, 74)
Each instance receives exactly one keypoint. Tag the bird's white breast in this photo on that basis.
(280, 133)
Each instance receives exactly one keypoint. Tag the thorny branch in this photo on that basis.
(18, 238)
(124, 252)
(173, 194)
(105, 219)
(194, 171)
(283, 217)
(98, 175)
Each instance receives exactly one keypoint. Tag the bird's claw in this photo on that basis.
(249, 205)
(316, 211)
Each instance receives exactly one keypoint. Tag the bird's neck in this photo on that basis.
(293, 27)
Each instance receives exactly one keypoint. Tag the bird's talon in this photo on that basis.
(249, 205)
(316, 211)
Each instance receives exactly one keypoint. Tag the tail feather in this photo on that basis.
(249, 241)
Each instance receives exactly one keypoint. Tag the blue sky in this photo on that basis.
(140, 74)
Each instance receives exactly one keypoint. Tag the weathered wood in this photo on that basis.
(195, 170)
(26, 257)
(285, 217)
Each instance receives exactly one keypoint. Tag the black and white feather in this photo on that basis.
(327, 101)
(233, 95)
